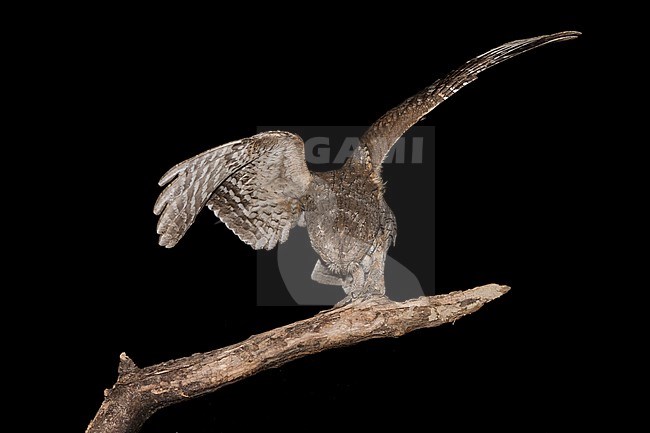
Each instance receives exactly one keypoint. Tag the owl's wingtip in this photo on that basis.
(166, 241)
(567, 35)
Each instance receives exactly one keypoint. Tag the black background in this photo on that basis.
(514, 185)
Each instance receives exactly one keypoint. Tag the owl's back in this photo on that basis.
(346, 215)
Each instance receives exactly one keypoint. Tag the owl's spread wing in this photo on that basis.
(254, 185)
(384, 133)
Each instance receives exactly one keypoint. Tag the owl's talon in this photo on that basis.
(359, 297)
(343, 302)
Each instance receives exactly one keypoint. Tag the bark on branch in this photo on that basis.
(139, 392)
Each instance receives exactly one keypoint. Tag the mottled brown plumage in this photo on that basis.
(260, 187)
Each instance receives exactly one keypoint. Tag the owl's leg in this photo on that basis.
(366, 279)
(374, 284)
(353, 284)
(322, 275)
(302, 222)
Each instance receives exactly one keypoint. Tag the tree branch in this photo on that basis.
(139, 393)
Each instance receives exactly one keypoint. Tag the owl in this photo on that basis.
(261, 188)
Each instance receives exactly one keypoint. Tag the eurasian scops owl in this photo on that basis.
(260, 187)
